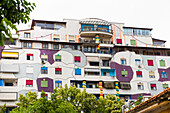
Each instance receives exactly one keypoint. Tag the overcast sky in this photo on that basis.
(134, 13)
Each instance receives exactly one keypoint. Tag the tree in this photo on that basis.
(13, 12)
(68, 100)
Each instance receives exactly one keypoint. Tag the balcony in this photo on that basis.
(95, 30)
(8, 96)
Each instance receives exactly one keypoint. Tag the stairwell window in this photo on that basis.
(44, 70)
(58, 71)
(137, 62)
(153, 87)
(139, 73)
(30, 56)
(163, 74)
(77, 59)
(123, 61)
(58, 83)
(140, 86)
(29, 83)
(56, 46)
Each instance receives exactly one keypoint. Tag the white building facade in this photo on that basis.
(52, 53)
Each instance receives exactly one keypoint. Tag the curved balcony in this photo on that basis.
(95, 30)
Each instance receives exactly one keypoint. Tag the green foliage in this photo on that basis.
(68, 100)
(13, 12)
(139, 100)
(3, 108)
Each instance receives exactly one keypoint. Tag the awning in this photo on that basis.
(7, 76)
(92, 70)
(10, 54)
(94, 59)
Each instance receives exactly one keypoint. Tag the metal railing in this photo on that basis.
(96, 29)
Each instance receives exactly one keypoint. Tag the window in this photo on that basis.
(44, 70)
(124, 73)
(71, 38)
(27, 35)
(125, 85)
(46, 96)
(94, 63)
(163, 74)
(92, 85)
(42, 25)
(44, 83)
(56, 37)
(58, 71)
(127, 31)
(45, 46)
(119, 41)
(29, 83)
(139, 73)
(8, 42)
(151, 74)
(140, 86)
(123, 61)
(162, 63)
(150, 62)
(58, 27)
(105, 62)
(44, 57)
(56, 46)
(49, 26)
(27, 45)
(165, 86)
(58, 83)
(29, 56)
(137, 62)
(106, 73)
(58, 58)
(9, 55)
(77, 58)
(133, 42)
(153, 87)
(77, 71)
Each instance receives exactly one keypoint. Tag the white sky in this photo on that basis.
(134, 13)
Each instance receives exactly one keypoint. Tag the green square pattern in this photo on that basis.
(165, 85)
(58, 57)
(133, 42)
(44, 83)
(162, 63)
(124, 73)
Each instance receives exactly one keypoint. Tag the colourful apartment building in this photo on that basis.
(105, 57)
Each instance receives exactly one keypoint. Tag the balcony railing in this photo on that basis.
(96, 29)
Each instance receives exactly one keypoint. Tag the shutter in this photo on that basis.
(44, 68)
(10, 54)
(56, 36)
(77, 71)
(58, 69)
(58, 81)
(153, 85)
(133, 42)
(165, 85)
(44, 83)
(44, 56)
(150, 62)
(77, 58)
(124, 73)
(58, 57)
(1, 82)
(151, 73)
(71, 37)
(138, 72)
(119, 41)
(29, 54)
(162, 63)
(29, 82)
